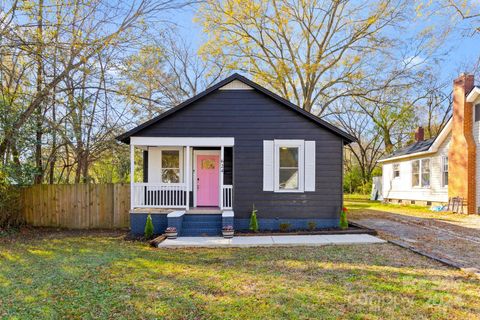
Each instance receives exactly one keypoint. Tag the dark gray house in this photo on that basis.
(236, 145)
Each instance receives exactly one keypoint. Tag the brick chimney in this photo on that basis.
(419, 134)
(461, 155)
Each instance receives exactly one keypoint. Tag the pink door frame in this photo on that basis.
(207, 182)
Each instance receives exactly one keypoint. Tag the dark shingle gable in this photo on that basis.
(419, 146)
(322, 123)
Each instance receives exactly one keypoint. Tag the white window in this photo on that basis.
(416, 173)
(289, 165)
(288, 168)
(421, 173)
(444, 171)
(396, 170)
(165, 164)
(170, 166)
(425, 169)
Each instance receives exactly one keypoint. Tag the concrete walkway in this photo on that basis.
(270, 241)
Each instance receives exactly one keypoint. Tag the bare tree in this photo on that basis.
(467, 10)
(164, 73)
(368, 148)
(310, 52)
(87, 28)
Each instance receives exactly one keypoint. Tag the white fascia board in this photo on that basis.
(411, 155)
(181, 141)
(441, 136)
(473, 95)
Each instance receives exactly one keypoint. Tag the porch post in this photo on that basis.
(188, 169)
(221, 176)
(132, 174)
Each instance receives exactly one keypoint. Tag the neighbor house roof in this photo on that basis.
(414, 148)
(322, 123)
(421, 147)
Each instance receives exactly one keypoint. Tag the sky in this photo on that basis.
(464, 50)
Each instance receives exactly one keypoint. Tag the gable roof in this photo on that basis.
(421, 147)
(322, 123)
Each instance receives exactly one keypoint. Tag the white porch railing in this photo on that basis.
(227, 197)
(159, 195)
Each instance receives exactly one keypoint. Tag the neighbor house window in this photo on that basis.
(170, 166)
(445, 171)
(416, 173)
(425, 169)
(289, 165)
(421, 173)
(396, 170)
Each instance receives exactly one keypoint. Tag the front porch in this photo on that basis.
(194, 174)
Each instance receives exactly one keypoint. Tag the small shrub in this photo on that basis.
(227, 228)
(149, 228)
(311, 225)
(171, 229)
(343, 219)
(253, 220)
(284, 226)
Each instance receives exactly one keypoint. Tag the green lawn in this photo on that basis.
(104, 276)
(360, 204)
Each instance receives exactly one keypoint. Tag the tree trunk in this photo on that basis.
(387, 140)
(39, 112)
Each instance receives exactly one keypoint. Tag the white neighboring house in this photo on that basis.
(418, 172)
(432, 171)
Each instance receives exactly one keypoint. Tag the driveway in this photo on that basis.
(457, 242)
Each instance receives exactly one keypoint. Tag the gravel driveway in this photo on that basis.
(457, 243)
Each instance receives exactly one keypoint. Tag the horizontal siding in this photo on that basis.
(251, 117)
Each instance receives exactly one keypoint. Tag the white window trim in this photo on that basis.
(393, 170)
(180, 156)
(444, 158)
(300, 144)
(420, 167)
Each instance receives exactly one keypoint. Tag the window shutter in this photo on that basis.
(309, 165)
(268, 166)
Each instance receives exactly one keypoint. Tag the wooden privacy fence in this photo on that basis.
(77, 206)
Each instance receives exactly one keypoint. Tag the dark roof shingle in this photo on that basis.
(412, 148)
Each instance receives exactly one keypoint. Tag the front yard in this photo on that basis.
(361, 206)
(102, 276)
(448, 236)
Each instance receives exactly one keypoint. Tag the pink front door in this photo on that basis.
(207, 180)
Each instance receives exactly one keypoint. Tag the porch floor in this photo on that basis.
(192, 210)
(270, 241)
(152, 210)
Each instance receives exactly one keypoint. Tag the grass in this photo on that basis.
(105, 277)
(359, 203)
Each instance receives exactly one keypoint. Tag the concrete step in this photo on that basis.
(202, 223)
(202, 217)
(196, 225)
(199, 232)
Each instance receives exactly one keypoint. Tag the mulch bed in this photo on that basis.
(353, 228)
